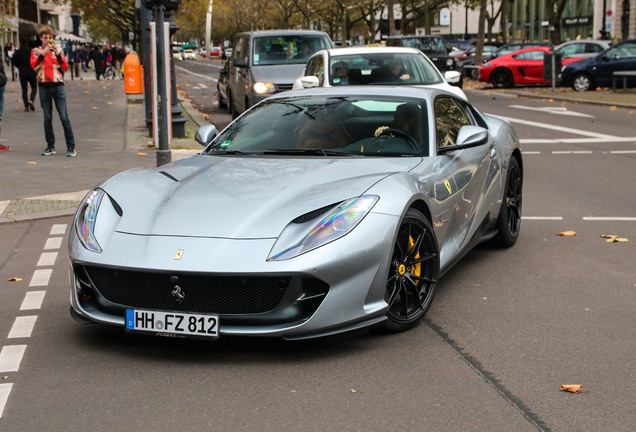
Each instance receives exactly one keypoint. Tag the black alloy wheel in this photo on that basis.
(502, 78)
(509, 221)
(413, 273)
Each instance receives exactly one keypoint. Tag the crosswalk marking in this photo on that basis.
(58, 229)
(47, 259)
(53, 243)
(22, 327)
(5, 389)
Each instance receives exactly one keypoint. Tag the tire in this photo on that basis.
(509, 220)
(583, 82)
(413, 273)
(502, 78)
(219, 99)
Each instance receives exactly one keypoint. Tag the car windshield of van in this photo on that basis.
(382, 68)
(292, 49)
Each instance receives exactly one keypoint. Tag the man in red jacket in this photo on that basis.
(49, 63)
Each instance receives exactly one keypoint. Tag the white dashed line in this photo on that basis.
(5, 389)
(47, 259)
(58, 229)
(41, 277)
(609, 218)
(10, 357)
(22, 327)
(542, 218)
(33, 300)
(573, 152)
(53, 243)
(622, 152)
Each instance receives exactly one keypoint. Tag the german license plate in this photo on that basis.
(173, 324)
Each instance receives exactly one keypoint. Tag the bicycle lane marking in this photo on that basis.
(11, 355)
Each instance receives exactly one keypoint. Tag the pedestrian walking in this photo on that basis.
(22, 60)
(98, 61)
(3, 90)
(50, 64)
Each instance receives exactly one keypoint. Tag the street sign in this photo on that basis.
(444, 17)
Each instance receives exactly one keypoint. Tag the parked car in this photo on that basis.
(589, 73)
(176, 53)
(375, 66)
(268, 61)
(223, 86)
(582, 48)
(432, 46)
(316, 212)
(189, 54)
(520, 67)
(467, 57)
(512, 47)
(216, 52)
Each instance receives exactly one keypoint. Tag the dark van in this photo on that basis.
(269, 61)
(432, 46)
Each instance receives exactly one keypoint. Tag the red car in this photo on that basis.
(520, 67)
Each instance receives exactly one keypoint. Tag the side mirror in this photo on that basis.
(239, 62)
(205, 134)
(468, 136)
(310, 81)
(452, 77)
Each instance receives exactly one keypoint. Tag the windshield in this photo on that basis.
(292, 49)
(382, 68)
(327, 126)
(424, 44)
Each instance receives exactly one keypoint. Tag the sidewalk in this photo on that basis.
(111, 136)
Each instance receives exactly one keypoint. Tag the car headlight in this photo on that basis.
(262, 88)
(486, 65)
(334, 225)
(85, 220)
(449, 62)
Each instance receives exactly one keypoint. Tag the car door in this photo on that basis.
(237, 88)
(622, 57)
(473, 171)
(531, 66)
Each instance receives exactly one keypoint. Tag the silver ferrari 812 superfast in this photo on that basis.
(316, 212)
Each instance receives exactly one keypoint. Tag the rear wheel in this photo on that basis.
(582, 82)
(502, 78)
(413, 274)
(509, 220)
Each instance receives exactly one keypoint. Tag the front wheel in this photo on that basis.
(582, 82)
(502, 78)
(509, 220)
(413, 273)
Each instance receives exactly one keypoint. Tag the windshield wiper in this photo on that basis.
(306, 151)
(216, 150)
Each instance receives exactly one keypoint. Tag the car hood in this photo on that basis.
(278, 74)
(239, 197)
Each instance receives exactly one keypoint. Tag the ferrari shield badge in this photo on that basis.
(178, 255)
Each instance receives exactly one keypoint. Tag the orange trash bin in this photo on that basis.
(133, 75)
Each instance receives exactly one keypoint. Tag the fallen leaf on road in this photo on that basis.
(573, 388)
(15, 279)
(142, 154)
(567, 233)
(613, 108)
(32, 163)
(5, 377)
(95, 108)
(87, 92)
(355, 391)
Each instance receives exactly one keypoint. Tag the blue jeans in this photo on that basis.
(47, 96)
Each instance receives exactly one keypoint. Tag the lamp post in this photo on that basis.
(604, 24)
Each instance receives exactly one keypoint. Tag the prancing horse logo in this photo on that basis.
(177, 292)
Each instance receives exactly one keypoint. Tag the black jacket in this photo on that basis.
(22, 60)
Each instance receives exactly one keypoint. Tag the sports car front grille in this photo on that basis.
(284, 87)
(202, 293)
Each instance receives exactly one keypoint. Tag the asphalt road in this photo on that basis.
(505, 330)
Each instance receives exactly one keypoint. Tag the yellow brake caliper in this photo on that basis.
(417, 268)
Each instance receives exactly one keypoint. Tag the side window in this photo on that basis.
(246, 51)
(316, 67)
(450, 116)
(238, 48)
(593, 48)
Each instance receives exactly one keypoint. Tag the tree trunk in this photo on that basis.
(480, 33)
(391, 18)
(504, 20)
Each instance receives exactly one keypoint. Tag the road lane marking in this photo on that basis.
(41, 277)
(560, 128)
(58, 229)
(47, 259)
(10, 357)
(623, 151)
(22, 327)
(542, 217)
(553, 110)
(53, 243)
(610, 218)
(196, 74)
(576, 140)
(531, 152)
(5, 389)
(3, 205)
(572, 152)
(32, 300)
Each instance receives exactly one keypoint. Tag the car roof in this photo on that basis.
(591, 41)
(373, 91)
(334, 52)
(283, 32)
